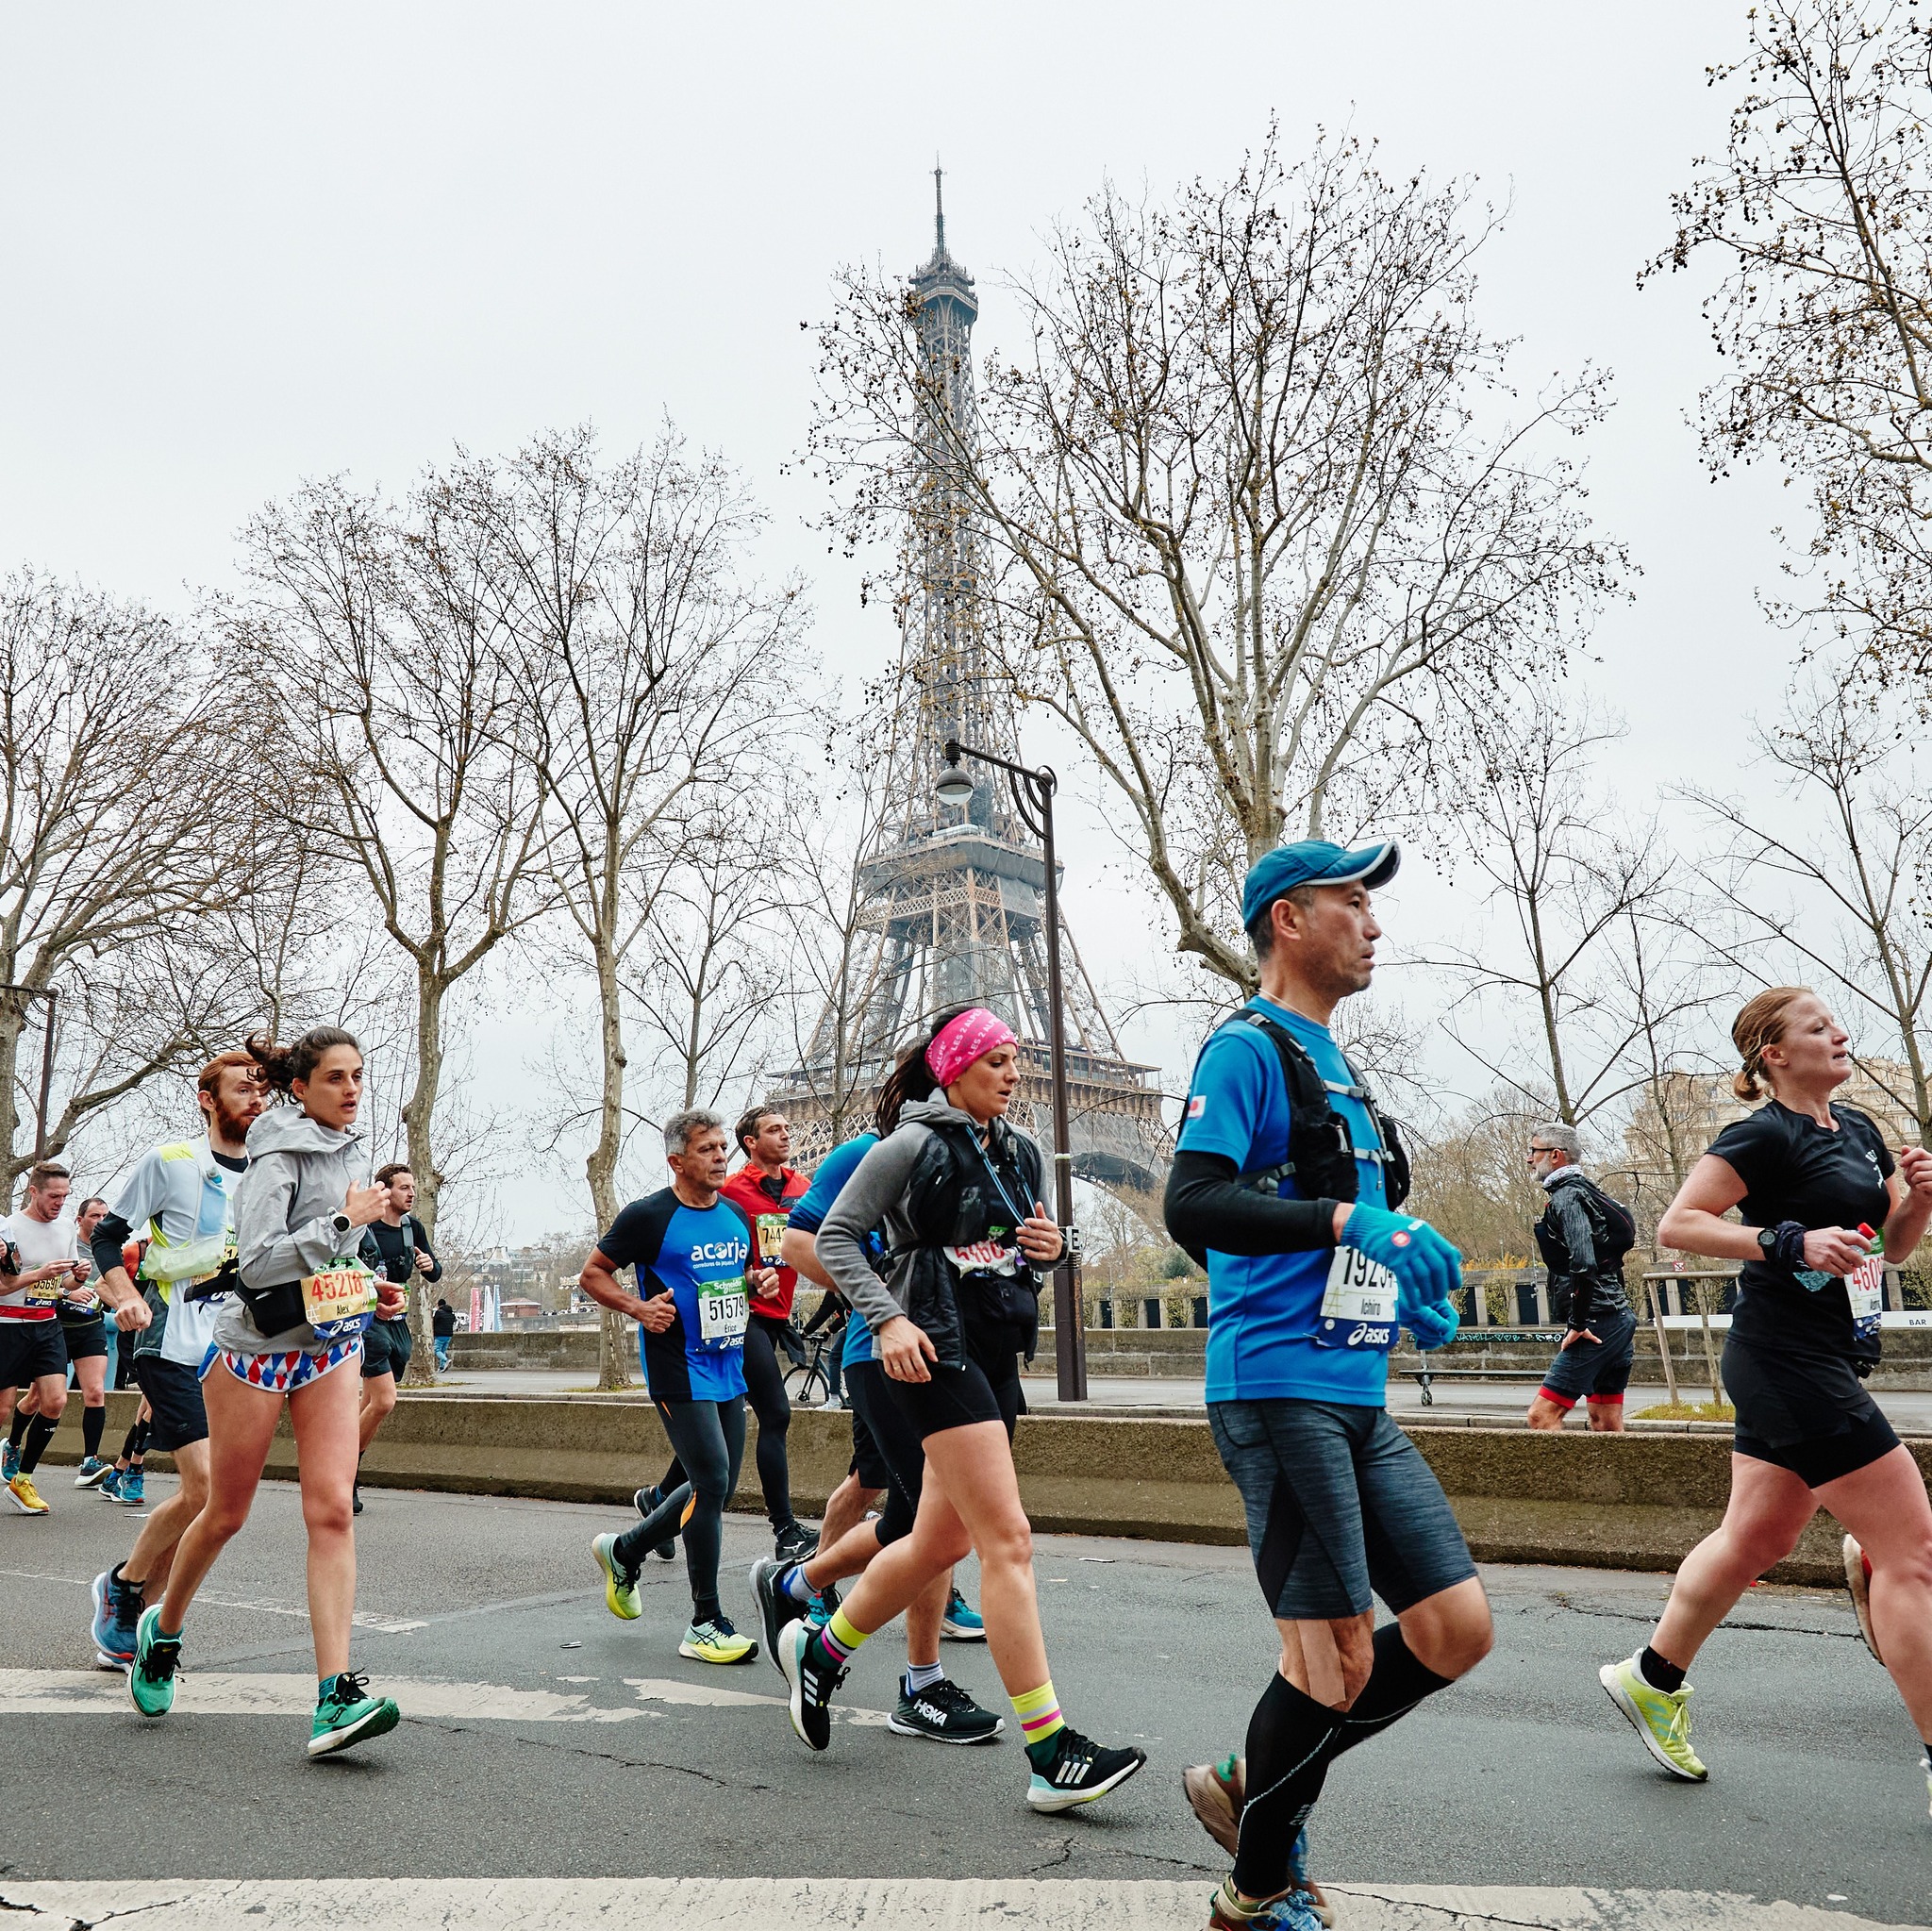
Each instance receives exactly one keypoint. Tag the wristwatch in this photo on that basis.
(341, 1224)
(1767, 1243)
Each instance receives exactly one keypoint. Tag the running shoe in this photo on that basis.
(818, 1612)
(1291, 1911)
(945, 1713)
(620, 1584)
(133, 1488)
(1660, 1717)
(794, 1543)
(810, 1705)
(354, 1508)
(93, 1472)
(1215, 1795)
(346, 1713)
(1083, 1771)
(25, 1497)
(1859, 1581)
(716, 1642)
(117, 1619)
(774, 1606)
(151, 1675)
(645, 1502)
(111, 1485)
(961, 1623)
(9, 1460)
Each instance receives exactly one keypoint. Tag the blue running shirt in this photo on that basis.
(699, 1255)
(1266, 1333)
(809, 1216)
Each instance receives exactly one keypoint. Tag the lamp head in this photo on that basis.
(954, 786)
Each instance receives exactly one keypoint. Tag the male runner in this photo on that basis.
(398, 1250)
(764, 1190)
(39, 1242)
(1280, 1185)
(1583, 1237)
(695, 1262)
(182, 1192)
(442, 1331)
(892, 1463)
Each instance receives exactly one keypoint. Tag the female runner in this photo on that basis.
(957, 1192)
(299, 1213)
(1815, 1182)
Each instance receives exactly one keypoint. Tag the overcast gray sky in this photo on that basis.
(245, 245)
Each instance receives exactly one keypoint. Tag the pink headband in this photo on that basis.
(962, 1040)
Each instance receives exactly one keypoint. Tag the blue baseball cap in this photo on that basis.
(1314, 861)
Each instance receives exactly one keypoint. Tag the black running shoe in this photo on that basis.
(794, 1543)
(813, 1682)
(774, 1606)
(356, 1499)
(1083, 1771)
(645, 1502)
(945, 1713)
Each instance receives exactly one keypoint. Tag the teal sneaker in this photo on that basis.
(346, 1713)
(9, 1460)
(1660, 1717)
(151, 1675)
(961, 1623)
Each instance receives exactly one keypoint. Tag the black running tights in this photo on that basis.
(764, 1388)
(708, 1440)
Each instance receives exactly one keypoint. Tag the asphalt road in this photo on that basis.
(543, 1738)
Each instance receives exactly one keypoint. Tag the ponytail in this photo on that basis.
(913, 1078)
(282, 1066)
(1761, 1024)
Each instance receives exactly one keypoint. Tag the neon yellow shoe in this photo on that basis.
(620, 1584)
(1660, 1717)
(25, 1497)
(716, 1642)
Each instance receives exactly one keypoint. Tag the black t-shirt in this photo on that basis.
(1795, 1170)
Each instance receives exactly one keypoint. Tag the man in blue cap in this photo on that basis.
(1285, 1185)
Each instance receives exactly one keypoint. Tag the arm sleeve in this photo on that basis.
(110, 1237)
(1579, 1241)
(1205, 1208)
(878, 1182)
(269, 1251)
(423, 1246)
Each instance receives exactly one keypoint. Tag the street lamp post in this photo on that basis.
(50, 994)
(1033, 798)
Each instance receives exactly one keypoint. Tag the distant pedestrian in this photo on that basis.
(1583, 1237)
(443, 1329)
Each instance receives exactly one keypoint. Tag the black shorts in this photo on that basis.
(387, 1346)
(894, 1445)
(1810, 1414)
(173, 1393)
(28, 1350)
(1595, 1371)
(82, 1339)
(986, 1388)
(1340, 1506)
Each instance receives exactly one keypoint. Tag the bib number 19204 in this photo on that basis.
(724, 1312)
(1359, 1289)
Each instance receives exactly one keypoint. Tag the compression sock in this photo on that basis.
(920, 1675)
(839, 1639)
(21, 1421)
(792, 1583)
(1658, 1673)
(134, 1446)
(1040, 1724)
(40, 1432)
(1291, 1739)
(1397, 1683)
(94, 1423)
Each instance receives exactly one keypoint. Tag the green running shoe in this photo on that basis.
(1660, 1717)
(346, 1713)
(151, 1675)
(620, 1584)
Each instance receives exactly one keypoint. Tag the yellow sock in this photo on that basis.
(1039, 1711)
(842, 1635)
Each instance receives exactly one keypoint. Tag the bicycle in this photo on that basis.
(808, 1383)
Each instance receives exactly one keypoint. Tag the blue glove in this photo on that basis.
(1433, 1326)
(1425, 1266)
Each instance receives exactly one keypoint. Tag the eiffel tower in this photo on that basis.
(953, 896)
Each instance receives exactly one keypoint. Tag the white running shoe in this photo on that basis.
(1859, 1585)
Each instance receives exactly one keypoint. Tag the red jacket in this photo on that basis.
(767, 1201)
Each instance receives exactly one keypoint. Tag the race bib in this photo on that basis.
(338, 1297)
(985, 1256)
(724, 1312)
(771, 1234)
(1358, 1303)
(44, 1294)
(1865, 1290)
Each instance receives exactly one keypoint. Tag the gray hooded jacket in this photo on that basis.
(299, 1174)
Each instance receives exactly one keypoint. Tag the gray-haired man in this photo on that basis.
(694, 1253)
(1583, 1235)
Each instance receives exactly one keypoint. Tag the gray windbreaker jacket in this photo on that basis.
(299, 1174)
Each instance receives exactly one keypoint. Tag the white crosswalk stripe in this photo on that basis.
(819, 1904)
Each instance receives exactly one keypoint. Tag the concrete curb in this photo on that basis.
(1588, 1501)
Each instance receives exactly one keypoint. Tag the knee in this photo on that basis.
(1907, 1568)
(223, 1517)
(53, 1406)
(328, 1515)
(1545, 1416)
(381, 1397)
(1007, 1544)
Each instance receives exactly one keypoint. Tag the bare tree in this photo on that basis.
(398, 708)
(633, 629)
(1820, 212)
(1245, 532)
(121, 829)
(1854, 879)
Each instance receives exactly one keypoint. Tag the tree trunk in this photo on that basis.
(418, 1114)
(614, 1341)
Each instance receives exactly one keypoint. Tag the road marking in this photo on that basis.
(716, 1696)
(820, 1904)
(364, 1618)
